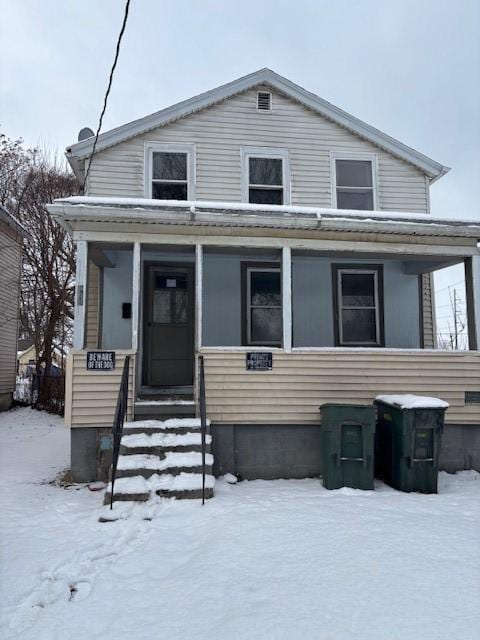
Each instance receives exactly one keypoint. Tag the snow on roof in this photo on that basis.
(409, 401)
(83, 149)
(193, 205)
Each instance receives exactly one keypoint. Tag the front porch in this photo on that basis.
(344, 307)
(166, 304)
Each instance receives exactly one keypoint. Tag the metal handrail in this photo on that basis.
(203, 420)
(118, 421)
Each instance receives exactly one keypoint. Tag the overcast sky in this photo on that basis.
(409, 67)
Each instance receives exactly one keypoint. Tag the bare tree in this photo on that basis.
(28, 181)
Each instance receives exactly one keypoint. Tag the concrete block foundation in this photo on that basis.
(91, 453)
(263, 452)
(294, 451)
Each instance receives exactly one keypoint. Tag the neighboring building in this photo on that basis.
(12, 235)
(27, 359)
(258, 217)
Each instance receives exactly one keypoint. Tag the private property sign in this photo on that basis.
(259, 361)
(100, 360)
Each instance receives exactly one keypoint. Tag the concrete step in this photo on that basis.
(170, 462)
(174, 471)
(160, 451)
(195, 494)
(139, 489)
(171, 425)
(160, 443)
(164, 409)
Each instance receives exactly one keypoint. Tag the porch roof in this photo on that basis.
(69, 211)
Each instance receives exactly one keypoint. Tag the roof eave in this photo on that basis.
(67, 214)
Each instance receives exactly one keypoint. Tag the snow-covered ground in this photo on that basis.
(265, 560)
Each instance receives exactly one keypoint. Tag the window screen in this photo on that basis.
(169, 176)
(265, 180)
(264, 307)
(354, 184)
(358, 307)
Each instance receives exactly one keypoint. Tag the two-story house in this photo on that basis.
(257, 218)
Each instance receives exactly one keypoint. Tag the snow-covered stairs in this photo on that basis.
(163, 458)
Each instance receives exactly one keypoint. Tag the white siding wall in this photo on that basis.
(220, 131)
(10, 256)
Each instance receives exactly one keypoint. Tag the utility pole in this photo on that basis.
(455, 318)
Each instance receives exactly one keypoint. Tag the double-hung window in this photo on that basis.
(265, 176)
(263, 305)
(169, 171)
(359, 305)
(354, 182)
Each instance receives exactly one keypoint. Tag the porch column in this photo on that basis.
(287, 297)
(472, 288)
(135, 293)
(80, 294)
(198, 294)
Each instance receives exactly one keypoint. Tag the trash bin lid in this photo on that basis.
(409, 401)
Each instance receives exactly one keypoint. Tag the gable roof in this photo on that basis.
(83, 149)
(12, 222)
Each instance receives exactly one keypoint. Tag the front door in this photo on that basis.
(169, 327)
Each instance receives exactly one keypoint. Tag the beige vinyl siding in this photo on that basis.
(92, 332)
(301, 381)
(91, 396)
(221, 130)
(10, 260)
(428, 312)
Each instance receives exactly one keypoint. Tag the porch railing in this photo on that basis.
(203, 420)
(118, 422)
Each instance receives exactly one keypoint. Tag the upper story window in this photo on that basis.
(265, 176)
(353, 182)
(169, 171)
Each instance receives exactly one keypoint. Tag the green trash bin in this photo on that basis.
(347, 435)
(408, 442)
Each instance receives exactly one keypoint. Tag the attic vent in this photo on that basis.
(264, 101)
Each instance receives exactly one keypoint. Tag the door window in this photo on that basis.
(170, 299)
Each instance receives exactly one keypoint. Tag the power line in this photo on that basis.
(449, 286)
(107, 93)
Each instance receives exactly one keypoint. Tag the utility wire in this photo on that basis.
(449, 286)
(107, 93)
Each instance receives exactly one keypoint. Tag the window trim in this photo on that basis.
(247, 268)
(167, 147)
(265, 152)
(371, 157)
(377, 269)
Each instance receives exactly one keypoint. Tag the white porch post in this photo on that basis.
(198, 294)
(476, 294)
(472, 287)
(135, 293)
(80, 294)
(287, 297)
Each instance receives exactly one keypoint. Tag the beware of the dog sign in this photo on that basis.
(100, 360)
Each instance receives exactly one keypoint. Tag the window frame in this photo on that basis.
(377, 270)
(166, 147)
(247, 269)
(265, 152)
(370, 157)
